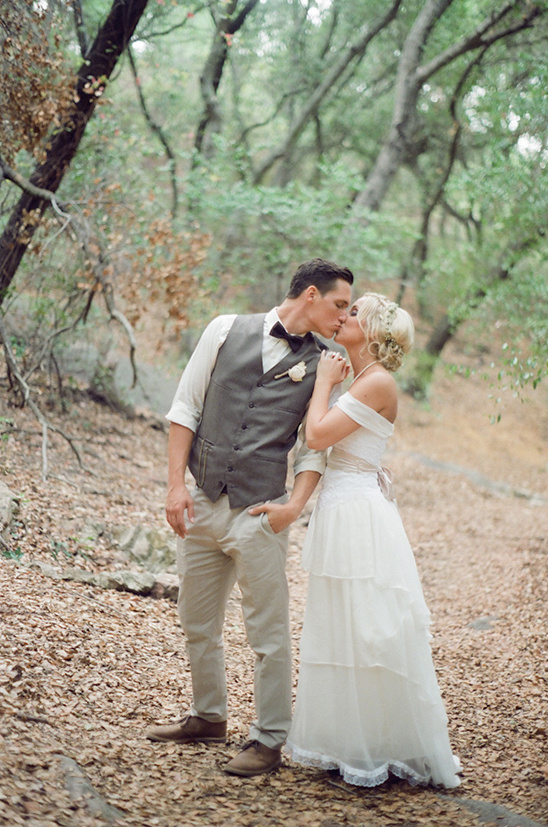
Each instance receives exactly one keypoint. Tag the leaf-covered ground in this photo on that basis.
(83, 672)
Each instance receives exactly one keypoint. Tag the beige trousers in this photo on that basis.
(223, 546)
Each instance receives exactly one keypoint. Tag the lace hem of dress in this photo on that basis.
(362, 778)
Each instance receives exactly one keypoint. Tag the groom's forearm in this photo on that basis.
(303, 488)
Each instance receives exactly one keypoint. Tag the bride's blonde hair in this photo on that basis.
(388, 329)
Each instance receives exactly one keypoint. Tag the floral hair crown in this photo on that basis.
(389, 339)
(389, 314)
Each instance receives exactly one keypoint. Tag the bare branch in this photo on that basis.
(121, 319)
(152, 34)
(355, 49)
(157, 129)
(478, 39)
(80, 28)
(83, 235)
(24, 184)
(26, 392)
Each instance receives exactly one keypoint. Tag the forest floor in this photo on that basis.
(83, 672)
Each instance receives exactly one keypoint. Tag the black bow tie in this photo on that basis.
(279, 332)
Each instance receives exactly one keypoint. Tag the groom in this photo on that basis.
(234, 419)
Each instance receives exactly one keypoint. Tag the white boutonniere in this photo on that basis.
(295, 373)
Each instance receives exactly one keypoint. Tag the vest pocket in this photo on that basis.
(204, 446)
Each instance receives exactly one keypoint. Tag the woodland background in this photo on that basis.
(175, 159)
(164, 161)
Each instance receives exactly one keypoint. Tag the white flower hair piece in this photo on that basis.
(296, 373)
(389, 314)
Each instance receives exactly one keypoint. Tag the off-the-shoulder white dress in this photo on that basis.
(368, 702)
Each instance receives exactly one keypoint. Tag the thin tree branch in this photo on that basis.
(27, 399)
(420, 250)
(157, 129)
(118, 316)
(31, 189)
(82, 234)
(80, 28)
(355, 49)
(152, 35)
(477, 39)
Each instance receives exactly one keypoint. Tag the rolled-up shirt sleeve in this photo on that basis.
(188, 402)
(305, 459)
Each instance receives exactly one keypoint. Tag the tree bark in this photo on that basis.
(111, 40)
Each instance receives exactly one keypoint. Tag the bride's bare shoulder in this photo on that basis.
(378, 390)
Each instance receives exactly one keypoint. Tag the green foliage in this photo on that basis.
(417, 377)
(6, 425)
(524, 354)
(12, 553)
(236, 242)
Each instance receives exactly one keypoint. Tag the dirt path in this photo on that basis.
(83, 671)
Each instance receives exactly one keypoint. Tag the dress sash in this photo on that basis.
(340, 460)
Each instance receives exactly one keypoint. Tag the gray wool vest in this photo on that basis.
(250, 419)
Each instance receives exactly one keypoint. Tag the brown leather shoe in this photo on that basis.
(190, 730)
(254, 759)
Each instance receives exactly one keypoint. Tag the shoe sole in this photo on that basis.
(160, 740)
(251, 773)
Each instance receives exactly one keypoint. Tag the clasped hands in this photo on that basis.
(332, 367)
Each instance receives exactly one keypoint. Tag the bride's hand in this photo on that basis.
(332, 367)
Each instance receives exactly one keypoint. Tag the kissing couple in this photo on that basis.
(368, 702)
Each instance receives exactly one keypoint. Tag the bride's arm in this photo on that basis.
(325, 426)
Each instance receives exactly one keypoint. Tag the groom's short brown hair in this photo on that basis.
(322, 274)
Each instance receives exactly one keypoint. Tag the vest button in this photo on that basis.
(230, 468)
(259, 384)
(244, 426)
(236, 447)
(220, 483)
(252, 404)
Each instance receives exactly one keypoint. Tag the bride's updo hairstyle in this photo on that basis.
(388, 329)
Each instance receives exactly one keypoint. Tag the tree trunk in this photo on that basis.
(356, 49)
(449, 324)
(410, 79)
(210, 78)
(111, 40)
(414, 269)
(403, 116)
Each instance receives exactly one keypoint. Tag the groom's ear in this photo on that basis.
(311, 292)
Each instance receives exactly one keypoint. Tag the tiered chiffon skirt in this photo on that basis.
(368, 702)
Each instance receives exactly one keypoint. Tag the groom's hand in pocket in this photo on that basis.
(279, 515)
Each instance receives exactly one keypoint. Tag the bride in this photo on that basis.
(368, 702)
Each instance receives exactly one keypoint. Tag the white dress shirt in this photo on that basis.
(188, 403)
